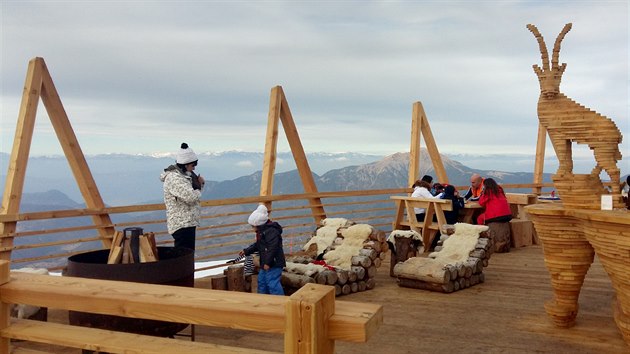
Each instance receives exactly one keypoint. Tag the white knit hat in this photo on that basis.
(186, 155)
(259, 216)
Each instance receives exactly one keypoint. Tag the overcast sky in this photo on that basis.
(144, 76)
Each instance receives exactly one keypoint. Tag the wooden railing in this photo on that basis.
(311, 319)
(45, 239)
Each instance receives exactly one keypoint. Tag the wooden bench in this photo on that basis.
(427, 228)
(311, 319)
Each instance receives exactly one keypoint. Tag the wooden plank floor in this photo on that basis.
(503, 315)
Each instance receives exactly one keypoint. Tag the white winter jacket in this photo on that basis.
(181, 200)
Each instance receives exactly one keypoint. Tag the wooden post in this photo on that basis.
(540, 158)
(307, 315)
(5, 343)
(14, 183)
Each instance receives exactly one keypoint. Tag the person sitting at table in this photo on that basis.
(438, 189)
(476, 187)
(422, 189)
(450, 193)
(496, 206)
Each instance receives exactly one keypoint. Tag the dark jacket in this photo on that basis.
(269, 245)
(452, 215)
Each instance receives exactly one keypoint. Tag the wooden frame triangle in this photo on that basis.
(39, 84)
(279, 111)
(420, 127)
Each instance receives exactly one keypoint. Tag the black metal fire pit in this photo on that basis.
(175, 267)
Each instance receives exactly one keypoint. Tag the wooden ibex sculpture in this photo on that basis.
(567, 121)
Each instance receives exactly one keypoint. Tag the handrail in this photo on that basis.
(46, 238)
(311, 319)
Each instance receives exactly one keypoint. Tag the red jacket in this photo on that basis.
(495, 206)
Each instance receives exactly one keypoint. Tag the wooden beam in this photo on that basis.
(14, 182)
(432, 148)
(271, 142)
(307, 314)
(74, 155)
(540, 158)
(5, 313)
(258, 312)
(414, 148)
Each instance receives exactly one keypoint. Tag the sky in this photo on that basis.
(144, 76)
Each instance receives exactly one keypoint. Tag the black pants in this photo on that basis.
(185, 237)
(420, 218)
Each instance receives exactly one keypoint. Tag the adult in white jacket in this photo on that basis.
(422, 189)
(182, 194)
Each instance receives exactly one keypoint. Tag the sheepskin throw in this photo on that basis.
(459, 245)
(337, 222)
(324, 237)
(353, 239)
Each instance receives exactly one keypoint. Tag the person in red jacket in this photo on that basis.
(496, 206)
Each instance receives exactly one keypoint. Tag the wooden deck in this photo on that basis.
(503, 315)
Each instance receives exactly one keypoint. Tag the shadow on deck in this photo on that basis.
(503, 315)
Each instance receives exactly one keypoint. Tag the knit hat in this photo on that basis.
(186, 155)
(259, 216)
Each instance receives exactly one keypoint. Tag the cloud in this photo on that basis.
(245, 164)
(140, 76)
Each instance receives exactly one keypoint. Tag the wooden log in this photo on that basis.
(384, 248)
(331, 276)
(456, 285)
(469, 270)
(236, 277)
(474, 279)
(378, 235)
(404, 250)
(478, 253)
(345, 289)
(352, 276)
(362, 285)
(218, 282)
(461, 271)
(368, 252)
(359, 271)
(448, 287)
(452, 271)
(337, 289)
(424, 269)
(371, 271)
(295, 280)
(376, 262)
(362, 261)
(320, 277)
(462, 283)
(482, 277)
(342, 276)
(373, 245)
(370, 283)
(383, 254)
(354, 287)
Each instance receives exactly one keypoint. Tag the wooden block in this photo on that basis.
(146, 251)
(219, 282)
(115, 256)
(522, 232)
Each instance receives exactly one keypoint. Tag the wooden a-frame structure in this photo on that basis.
(420, 127)
(279, 112)
(39, 84)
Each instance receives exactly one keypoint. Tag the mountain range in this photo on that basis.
(133, 179)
